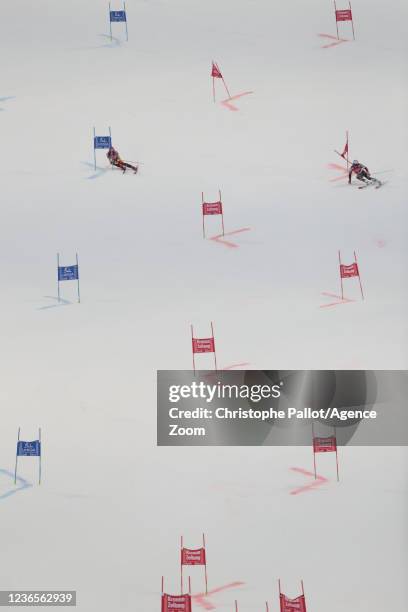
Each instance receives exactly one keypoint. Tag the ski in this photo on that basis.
(134, 168)
(373, 183)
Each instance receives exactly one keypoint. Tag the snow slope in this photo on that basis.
(107, 518)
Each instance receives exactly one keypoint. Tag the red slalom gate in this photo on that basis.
(326, 444)
(343, 15)
(203, 345)
(212, 208)
(345, 154)
(175, 603)
(298, 604)
(193, 556)
(216, 74)
(350, 271)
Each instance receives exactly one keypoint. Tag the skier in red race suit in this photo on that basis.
(115, 160)
(362, 173)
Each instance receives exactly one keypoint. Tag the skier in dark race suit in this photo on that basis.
(362, 173)
(115, 160)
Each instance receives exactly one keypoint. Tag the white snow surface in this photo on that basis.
(107, 518)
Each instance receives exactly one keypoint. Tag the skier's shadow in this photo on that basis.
(5, 99)
(113, 43)
(60, 302)
(99, 171)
